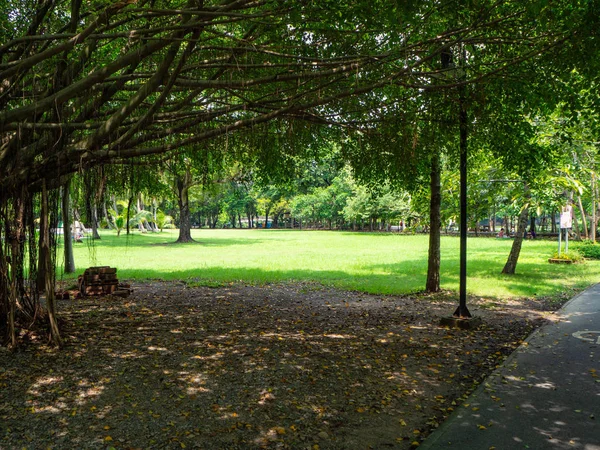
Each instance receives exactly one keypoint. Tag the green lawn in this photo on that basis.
(375, 263)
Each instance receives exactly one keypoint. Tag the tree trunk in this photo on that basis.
(67, 222)
(15, 236)
(576, 228)
(94, 219)
(49, 269)
(154, 219)
(593, 219)
(128, 215)
(41, 274)
(139, 208)
(583, 218)
(513, 257)
(183, 184)
(435, 221)
(105, 213)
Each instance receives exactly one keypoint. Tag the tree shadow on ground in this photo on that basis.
(243, 367)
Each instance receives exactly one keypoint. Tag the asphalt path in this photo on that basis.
(546, 395)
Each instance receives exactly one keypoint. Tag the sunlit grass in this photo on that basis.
(370, 262)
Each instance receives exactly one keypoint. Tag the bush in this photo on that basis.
(572, 255)
(589, 249)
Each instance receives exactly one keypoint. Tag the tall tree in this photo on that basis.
(67, 224)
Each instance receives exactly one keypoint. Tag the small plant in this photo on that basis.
(573, 256)
(589, 249)
(207, 283)
(163, 220)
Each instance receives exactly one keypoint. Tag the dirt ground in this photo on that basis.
(293, 366)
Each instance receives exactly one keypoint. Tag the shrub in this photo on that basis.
(589, 249)
(572, 255)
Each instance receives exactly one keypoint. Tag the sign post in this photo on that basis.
(566, 222)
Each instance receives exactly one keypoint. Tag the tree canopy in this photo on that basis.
(92, 83)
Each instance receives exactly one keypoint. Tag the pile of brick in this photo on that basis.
(101, 280)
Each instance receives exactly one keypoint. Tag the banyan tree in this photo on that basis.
(93, 84)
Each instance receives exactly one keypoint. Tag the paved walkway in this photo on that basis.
(545, 396)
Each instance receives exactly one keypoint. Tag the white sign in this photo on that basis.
(589, 336)
(566, 217)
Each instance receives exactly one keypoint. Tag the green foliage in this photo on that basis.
(141, 217)
(589, 249)
(163, 220)
(572, 255)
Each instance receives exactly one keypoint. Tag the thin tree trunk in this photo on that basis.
(593, 224)
(576, 228)
(50, 285)
(154, 213)
(15, 235)
(140, 207)
(597, 210)
(105, 213)
(41, 274)
(185, 226)
(435, 221)
(575, 224)
(95, 234)
(513, 257)
(583, 218)
(128, 214)
(67, 222)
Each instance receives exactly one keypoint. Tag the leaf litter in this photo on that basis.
(281, 366)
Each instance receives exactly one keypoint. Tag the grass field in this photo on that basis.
(370, 262)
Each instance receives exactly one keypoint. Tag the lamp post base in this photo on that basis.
(464, 324)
